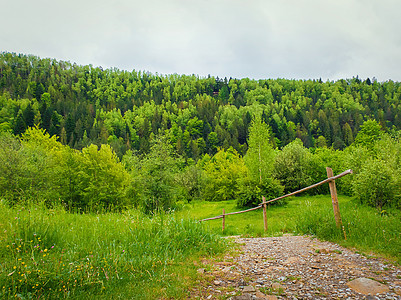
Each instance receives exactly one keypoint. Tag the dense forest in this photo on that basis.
(163, 138)
(86, 104)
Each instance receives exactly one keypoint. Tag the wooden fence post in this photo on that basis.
(224, 219)
(264, 213)
(334, 199)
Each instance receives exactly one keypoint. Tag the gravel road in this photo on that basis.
(297, 267)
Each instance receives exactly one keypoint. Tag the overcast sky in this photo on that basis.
(300, 39)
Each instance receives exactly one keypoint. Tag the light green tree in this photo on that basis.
(378, 184)
(369, 133)
(259, 161)
(296, 168)
(223, 171)
(157, 172)
(260, 155)
(103, 180)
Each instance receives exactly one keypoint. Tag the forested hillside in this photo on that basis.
(93, 139)
(86, 104)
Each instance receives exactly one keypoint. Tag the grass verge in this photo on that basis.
(52, 254)
(366, 229)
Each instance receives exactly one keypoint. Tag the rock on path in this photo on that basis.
(298, 267)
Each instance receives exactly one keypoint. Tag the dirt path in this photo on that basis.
(298, 267)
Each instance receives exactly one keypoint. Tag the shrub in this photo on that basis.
(377, 185)
(156, 172)
(223, 171)
(250, 193)
(103, 180)
(296, 168)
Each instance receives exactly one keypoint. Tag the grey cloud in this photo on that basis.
(256, 39)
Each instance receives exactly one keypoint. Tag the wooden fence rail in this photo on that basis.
(331, 180)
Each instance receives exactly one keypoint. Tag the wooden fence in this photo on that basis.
(333, 191)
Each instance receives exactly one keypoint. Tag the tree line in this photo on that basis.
(37, 168)
(92, 139)
(85, 104)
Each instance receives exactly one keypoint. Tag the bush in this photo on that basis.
(250, 193)
(296, 168)
(154, 175)
(30, 168)
(102, 179)
(190, 182)
(222, 172)
(377, 185)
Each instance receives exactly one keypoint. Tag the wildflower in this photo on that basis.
(15, 267)
(45, 250)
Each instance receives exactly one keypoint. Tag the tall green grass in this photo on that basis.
(280, 219)
(53, 254)
(366, 228)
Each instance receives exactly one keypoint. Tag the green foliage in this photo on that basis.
(260, 155)
(250, 192)
(190, 181)
(369, 133)
(102, 180)
(260, 162)
(296, 168)
(377, 185)
(30, 169)
(156, 173)
(39, 168)
(11, 167)
(376, 172)
(201, 113)
(222, 172)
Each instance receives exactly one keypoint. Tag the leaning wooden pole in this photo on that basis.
(224, 219)
(264, 213)
(334, 199)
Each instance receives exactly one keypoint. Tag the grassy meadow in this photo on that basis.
(367, 229)
(49, 253)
